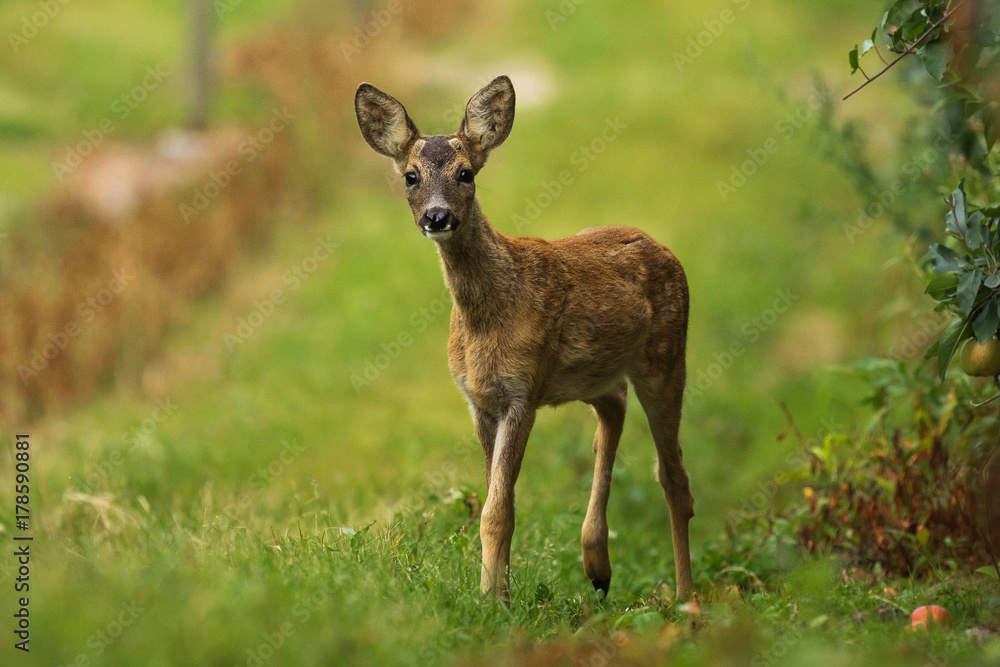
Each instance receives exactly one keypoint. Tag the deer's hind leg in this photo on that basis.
(660, 391)
(610, 410)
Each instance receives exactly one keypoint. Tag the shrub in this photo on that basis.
(905, 496)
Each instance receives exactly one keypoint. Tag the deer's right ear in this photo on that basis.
(384, 122)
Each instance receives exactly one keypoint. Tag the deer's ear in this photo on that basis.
(489, 116)
(384, 122)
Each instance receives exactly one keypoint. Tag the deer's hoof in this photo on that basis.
(602, 585)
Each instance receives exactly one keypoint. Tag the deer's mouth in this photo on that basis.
(440, 235)
(437, 224)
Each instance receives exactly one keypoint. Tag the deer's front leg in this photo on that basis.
(497, 525)
(486, 429)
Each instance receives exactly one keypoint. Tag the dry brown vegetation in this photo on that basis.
(111, 258)
(109, 261)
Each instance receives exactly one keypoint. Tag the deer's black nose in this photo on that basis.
(437, 219)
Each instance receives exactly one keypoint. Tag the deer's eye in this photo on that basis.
(465, 175)
(411, 177)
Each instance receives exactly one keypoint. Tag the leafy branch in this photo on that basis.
(962, 54)
(967, 283)
(853, 56)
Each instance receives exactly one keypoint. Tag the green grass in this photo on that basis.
(353, 548)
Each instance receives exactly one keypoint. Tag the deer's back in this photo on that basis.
(626, 295)
(622, 269)
(588, 308)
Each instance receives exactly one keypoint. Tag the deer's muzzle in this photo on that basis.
(437, 223)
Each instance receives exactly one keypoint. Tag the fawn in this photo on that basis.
(539, 323)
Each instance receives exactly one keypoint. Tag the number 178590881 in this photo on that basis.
(21, 482)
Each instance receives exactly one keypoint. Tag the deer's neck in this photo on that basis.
(481, 272)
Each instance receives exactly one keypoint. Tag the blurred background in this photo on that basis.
(226, 338)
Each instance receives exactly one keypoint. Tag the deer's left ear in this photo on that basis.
(489, 117)
(384, 122)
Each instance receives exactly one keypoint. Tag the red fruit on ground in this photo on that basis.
(924, 617)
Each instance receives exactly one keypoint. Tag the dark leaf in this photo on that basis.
(968, 289)
(992, 281)
(941, 284)
(915, 26)
(973, 107)
(950, 339)
(966, 92)
(935, 57)
(989, 55)
(852, 59)
(974, 230)
(896, 36)
(987, 321)
(958, 199)
(894, 9)
(944, 259)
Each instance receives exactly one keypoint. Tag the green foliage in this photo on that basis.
(901, 496)
(960, 50)
(966, 282)
(953, 137)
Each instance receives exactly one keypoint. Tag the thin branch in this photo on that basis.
(863, 73)
(909, 50)
(906, 47)
(954, 216)
(875, 46)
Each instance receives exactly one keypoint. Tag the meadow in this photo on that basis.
(292, 478)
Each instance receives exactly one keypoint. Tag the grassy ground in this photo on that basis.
(256, 503)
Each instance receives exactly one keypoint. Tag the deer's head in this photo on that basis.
(439, 171)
